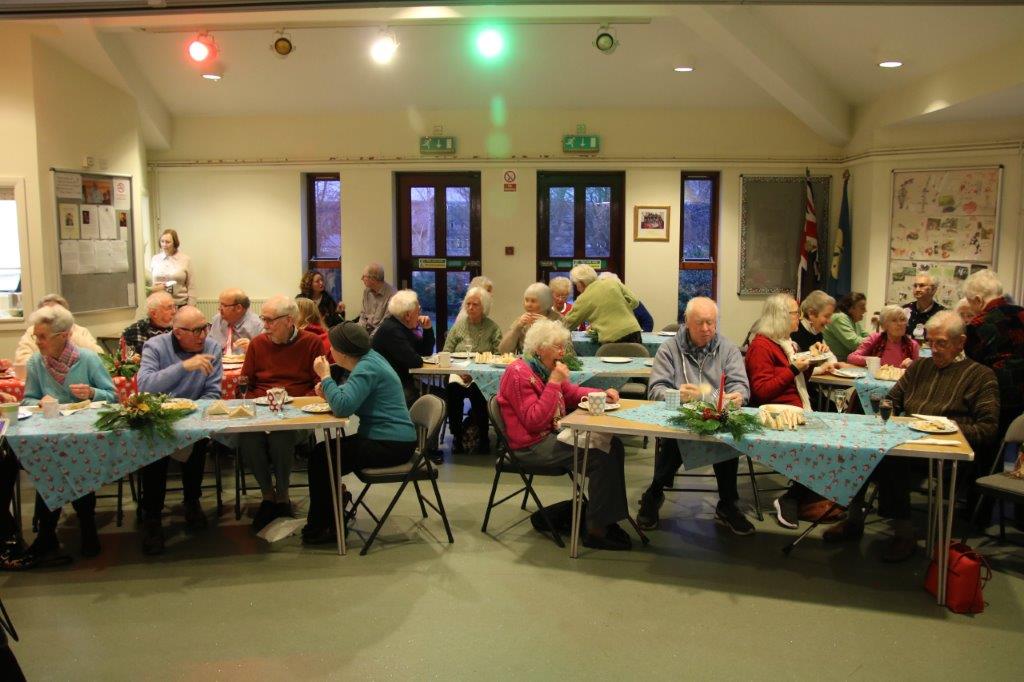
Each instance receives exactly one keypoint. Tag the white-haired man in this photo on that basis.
(80, 336)
(694, 358)
(376, 296)
(396, 338)
(281, 357)
(924, 305)
(234, 325)
(185, 364)
(160, 309)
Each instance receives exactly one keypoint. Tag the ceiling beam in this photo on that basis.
(739, 35)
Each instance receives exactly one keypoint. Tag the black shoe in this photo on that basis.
(729, 515)
(650, 503)
(11, 548)
(844, 531)
(787, 511)
(90, 538)
(283, 510)
(436, 456)
(319, 536)
(264, 515)
(153, 537)
(195, 519)
(457, 447)
(614, 540)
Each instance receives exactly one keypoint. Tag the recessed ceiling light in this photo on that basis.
(890, 64)
(384, 47)
(683, 69)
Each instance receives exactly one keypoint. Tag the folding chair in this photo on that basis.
(241, 482)
(427, 414)
(634, 388)
(673, 327)
(998, 485)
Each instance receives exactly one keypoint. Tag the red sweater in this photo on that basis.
(530, 407)
(319, 331)
(288, 366)
(771, 379)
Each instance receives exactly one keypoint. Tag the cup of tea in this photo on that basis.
(874, 364)
(596, 402)
(671, 398)
(276, 398)
(9, 412)
(50, 408)
(21, 371)
(444, 359)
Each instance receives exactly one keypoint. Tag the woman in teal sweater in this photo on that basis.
(67, 374)
(386, 435)
(845, 332)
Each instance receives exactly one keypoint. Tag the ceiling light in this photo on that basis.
(213, 76)
(683, 69)
(384, 47)
(490, 43)
(202, 48)
(213, 71)
(605, 41)
(890, 64)
(282, 45)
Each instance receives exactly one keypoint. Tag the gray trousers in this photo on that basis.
(271, 453)
(606, 490)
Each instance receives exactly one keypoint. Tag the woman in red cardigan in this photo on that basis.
(534, 394)
(776, 376)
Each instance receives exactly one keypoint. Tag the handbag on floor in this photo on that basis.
(967, 575)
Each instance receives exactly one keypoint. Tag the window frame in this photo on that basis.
(710, 263)
(311, 259)
(17, 184)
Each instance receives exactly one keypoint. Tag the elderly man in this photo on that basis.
(160, 309)
(695, 358)
(397, 341)
(80, 336)
(281, 357)
(375, 297)
(923, 307)
(946, 384)
(185, 364)
(234, 325)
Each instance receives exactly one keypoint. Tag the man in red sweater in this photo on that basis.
(280, 357)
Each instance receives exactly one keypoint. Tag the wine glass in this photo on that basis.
(243, 387)
(842, 400)
(884, 411)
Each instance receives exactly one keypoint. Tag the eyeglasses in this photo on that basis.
(196, 331)
(270, 320)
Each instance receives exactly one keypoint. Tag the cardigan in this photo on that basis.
(87, 370)
(373, 393)
(772, 379)
(678, 362)
(843, 335)
(995, 338)
(531, 407)
(609, 306)
(483, 337)
(401, 347)
(893, 354)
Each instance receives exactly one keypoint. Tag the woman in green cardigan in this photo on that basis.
(845, 332)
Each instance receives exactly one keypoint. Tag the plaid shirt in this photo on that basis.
(995, 338)
(137, 333)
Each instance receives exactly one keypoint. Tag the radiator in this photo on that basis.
(209, 306)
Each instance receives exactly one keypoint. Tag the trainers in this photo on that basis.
(153, 537)
(264, 515)
(787, 511)
(195, 519)
(647, 516)
(729, 515)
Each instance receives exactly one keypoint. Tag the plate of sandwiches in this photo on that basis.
(179, 405)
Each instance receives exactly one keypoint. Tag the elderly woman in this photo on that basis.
(473, 331)
(171, 269)
(965, 310)
(80, 336)
(892, 344)
(561, 289)
(386, 435)
(607, 304)
(534, 394)
(642, 315)
(845, 332)
(309, 320)
(537, 305)
(482, 282)
(777, 375)
(396, 338)
(313, 287)
(63, 372)
(815, 313)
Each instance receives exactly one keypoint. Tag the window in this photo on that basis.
(698, 239)
(11, 251)
(323, 228)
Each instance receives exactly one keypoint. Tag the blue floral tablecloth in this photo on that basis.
(866, 386)
(833, 454)
(487, 377)
(66, 457)
(585, 345)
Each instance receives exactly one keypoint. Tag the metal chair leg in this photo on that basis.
(526, 494)
(419, 498)
(441, 511)
(490, 500)
(219, 483)
(238, 487)
(753, 483)
(120, 501)
(383, 518)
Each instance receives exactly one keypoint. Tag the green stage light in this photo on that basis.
(490, 43)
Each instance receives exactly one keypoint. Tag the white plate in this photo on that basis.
(262, 400)
(616, 361)
(812, 359)
(850, 373)
(609, 407)
(649, 363)
(666, 333)
(931, 427)
(430, 360)
(463, 355)
(232, 365)
(316, 408)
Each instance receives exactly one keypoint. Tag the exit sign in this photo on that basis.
(581, 143)
(437, 145)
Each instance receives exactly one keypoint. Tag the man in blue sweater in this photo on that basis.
(185, 364)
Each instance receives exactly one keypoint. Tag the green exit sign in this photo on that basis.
(437, 145)
(581, 143)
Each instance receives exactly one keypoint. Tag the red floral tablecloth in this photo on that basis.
(228, 385)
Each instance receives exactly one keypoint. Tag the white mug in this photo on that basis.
(874, 364)
(444, 359)
(596, 402)
(671, 398)
(50, 409)
(21, 372)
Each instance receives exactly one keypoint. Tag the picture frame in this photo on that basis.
(651, 223)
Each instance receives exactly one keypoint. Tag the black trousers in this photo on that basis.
(356, 453)
(667, 461)
(894, 476)
(154, 480)
(9, 468)
(455, 396)
(85, 507)
(635, 337)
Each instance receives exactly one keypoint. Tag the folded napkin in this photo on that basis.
(218, 408)
(83, 405)
(945, 421)
(240, 411)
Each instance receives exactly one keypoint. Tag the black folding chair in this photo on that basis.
(997, 484)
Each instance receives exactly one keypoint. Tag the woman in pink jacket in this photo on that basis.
(892, 344)
(535, 393)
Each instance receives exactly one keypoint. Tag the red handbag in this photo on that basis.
(965, 579)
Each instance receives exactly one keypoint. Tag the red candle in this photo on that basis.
(721, 392)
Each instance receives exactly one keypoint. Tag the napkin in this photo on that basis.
(944, 421)
(240, 411)
(934, 441)
(218, 408)
(279, 529)
(83, 405)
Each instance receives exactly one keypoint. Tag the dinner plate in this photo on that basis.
(931, 427)
(615, 360)
(609, 407)
(262, 400)
(232, 365)
(666, 333)
(850, 373)
(649, 363)
(316, 408)
(813, 359)
(429, 360)
(233, 359)
(463, 355)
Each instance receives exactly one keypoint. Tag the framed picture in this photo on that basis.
(650, 223)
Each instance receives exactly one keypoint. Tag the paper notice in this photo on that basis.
(131, 294)
(108, 223)
(103, 259)
(86, 257)
(123, 222)
(69, 258)
(90, 221)
(67, 214)
(122, 194)
(68, 185)
(119, 256)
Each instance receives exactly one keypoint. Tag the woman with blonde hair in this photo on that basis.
(309, 320)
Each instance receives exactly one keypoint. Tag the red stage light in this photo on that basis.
(202, 48)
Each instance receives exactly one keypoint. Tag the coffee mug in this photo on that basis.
(671, 398)
(9, 411)
(21, 372)
(50, 409)
(444, 359)
(873, 364)
(276, 398)
(596, 402)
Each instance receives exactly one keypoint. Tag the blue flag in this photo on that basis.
(841, 253)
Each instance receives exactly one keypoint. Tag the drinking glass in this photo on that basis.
(885, 411)
(243, 387)
(876, 399)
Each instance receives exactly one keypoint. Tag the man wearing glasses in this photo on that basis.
(234, 325)
(160, 309)
(376, 296)
(185, 364)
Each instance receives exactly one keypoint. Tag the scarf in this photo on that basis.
(60, 366)
(799, 380)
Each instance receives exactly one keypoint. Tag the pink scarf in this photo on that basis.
(59, 367)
